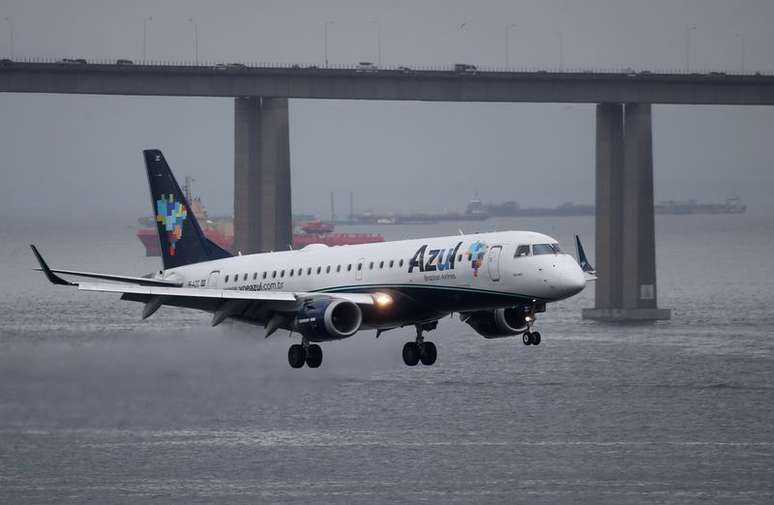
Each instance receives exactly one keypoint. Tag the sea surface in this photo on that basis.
(97, 406)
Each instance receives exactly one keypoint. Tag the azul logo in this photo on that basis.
(434, 259)
(170, 215)
(476, 253)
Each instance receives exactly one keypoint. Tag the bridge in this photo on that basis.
(625, 233)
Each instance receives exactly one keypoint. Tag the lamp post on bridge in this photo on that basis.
(325, 40)
(378, 41)
(561, 51)
(10, 36)
(507, 44)
(145, 37)
(196, 39)
(688, 30)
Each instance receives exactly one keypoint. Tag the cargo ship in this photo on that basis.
(221, 231)
(479, 211)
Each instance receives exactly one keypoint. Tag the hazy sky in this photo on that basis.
(81, 154)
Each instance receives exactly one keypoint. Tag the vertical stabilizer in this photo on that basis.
(181, 237)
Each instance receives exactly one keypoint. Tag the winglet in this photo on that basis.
(55, 279)
(582, 260)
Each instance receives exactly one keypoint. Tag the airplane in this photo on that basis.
(497, 282)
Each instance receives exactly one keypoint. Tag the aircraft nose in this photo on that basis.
(574, 280)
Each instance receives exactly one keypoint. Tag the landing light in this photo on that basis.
(528, 318)
(382, 299)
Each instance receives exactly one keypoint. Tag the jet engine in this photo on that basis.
(328, 319)
(498, 323)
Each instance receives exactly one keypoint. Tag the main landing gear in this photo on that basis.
(421, 350)
(311, 354)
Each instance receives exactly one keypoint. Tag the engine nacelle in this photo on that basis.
(328, 319)
(498, 323)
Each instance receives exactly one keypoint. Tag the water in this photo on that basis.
(98, 406)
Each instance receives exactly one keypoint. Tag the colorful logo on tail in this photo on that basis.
(171, 215)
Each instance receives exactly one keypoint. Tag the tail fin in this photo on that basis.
(181, 237)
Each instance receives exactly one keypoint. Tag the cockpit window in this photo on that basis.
(545, 249)
(522, 250)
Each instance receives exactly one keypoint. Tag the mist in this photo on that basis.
(79, 157)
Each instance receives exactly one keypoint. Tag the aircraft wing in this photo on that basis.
(251, 306)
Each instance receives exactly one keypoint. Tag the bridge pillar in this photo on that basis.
(262, 212)
(625, 229)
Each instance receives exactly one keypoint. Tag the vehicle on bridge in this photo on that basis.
(366, 66)
(497, 282)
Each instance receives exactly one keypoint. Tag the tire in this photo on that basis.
(296, 356)
(536, 338)
(411, 353)
(314, 356)
(429, 354)
(526, 338)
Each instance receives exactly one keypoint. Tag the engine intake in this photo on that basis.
(498, 323)
(328, 319)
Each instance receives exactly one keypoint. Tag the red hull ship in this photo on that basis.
(150, 240)
(221, 231)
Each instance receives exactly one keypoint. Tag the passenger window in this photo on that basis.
(227, 278)
(255, 275)
(459, 258)
(522, 250)
(282, 273)
(328, 269)
(291, 272)
(338, 268)
(400, 263)
(319, 269)
(392, 262)
(300, 271)
(371, 266)
(359, 266)
(274, 274)
(381, 264)
(542, 249)
(244, 277)
(309, 271)
(349, 267)
(265, 274)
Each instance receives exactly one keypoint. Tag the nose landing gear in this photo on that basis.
(421, 350)
(531, 337)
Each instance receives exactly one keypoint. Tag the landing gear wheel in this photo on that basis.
(526, 337)
(313, 356)
(536, 338)
(411, 353)
(297, 355)
(429, 353)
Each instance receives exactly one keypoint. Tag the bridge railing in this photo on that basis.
(236, 65)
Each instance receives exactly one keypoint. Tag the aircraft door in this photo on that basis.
(212, 281)
(359, 269)
(493, 262)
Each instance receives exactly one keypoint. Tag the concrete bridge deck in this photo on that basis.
(388, 84)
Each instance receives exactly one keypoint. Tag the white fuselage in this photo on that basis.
(468, 265)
